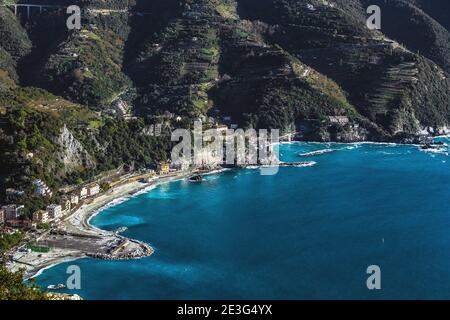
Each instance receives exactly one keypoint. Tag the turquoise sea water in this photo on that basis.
(304, 233)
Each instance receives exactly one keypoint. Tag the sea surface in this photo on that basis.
(304, 233)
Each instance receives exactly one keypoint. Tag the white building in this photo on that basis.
(83, 192)
(41, 216)
(74, 199)
(14, 192)
(2, 216)
(342, 120)
(54, 211)
(93, 190)
(65, 205)
(41, 188)
(13, 211)
(180, 165)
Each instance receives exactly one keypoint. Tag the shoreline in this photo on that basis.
(132, 189)
(79, 222)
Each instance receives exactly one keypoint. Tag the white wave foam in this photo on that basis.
(123, 199)
(308, 164)
(41, 271)
(317, 153)
(216, 171)
(436, 151)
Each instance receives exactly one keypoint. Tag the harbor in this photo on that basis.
(74, 237)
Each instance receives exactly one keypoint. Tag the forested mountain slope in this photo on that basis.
(75, 103)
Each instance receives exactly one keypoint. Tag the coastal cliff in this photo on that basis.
(75, 103)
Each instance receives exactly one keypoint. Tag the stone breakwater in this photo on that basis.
(75, 238)
(127, 249)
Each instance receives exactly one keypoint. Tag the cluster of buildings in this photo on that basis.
(166, 167)
(41, 188)
(89, 191)
(55, 212)
(11, 212)
(12, 215)
(14, 193)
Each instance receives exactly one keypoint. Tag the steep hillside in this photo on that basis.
(206, 59)
(439, 10)
(44, 136)
(420, 32)
(236, 58)
(75, 103)
(14, 42)
(386, 82)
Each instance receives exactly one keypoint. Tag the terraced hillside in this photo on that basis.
(85, 101)
(386, 81)
(223, 57)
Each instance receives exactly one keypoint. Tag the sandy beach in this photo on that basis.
(76, 238)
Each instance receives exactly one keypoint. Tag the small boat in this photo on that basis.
(56, 286)
(197, 178)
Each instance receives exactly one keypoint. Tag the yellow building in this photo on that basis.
(163, 168)
(41, 216)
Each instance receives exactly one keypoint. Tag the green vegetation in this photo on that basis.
(43, 226)
(8, 241)
(105, 146)
(37, 248)
(12, 287)
(228, 10)
(104, 186)
(74, 104)
(87, 69)
(13, 37)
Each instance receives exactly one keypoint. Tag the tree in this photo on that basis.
(12, 287)
(105, 186)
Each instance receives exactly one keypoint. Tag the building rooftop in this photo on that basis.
(53, 206)
(13, 206)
